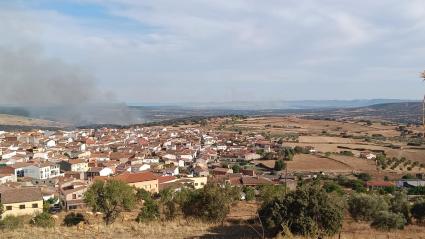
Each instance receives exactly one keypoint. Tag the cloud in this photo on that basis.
(167, 51)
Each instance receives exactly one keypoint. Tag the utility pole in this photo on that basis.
(423, 106)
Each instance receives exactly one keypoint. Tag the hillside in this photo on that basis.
(12, 122)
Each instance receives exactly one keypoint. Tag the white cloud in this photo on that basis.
(278, 47)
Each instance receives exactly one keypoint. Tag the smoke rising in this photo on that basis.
(50, 88)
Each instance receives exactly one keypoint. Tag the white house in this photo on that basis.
(51, 143)
(140, 167)
(42, 171)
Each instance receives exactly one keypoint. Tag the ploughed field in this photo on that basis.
(330, 137)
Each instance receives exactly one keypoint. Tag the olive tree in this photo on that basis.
(308, 211)
(110, 197)
(363, 207)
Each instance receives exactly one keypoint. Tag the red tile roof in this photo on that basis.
(136, 177)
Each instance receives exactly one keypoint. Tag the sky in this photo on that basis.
(168, 51)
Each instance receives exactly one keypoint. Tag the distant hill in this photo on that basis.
(406, 112)
(14, 122)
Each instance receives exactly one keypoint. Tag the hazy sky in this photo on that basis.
(225, 50)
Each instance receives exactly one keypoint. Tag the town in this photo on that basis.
(51, 171)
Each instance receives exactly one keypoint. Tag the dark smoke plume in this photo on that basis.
(50, 88)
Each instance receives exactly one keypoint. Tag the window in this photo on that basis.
(8, 208)
(74, 196)
(35, 205)
(22, 206)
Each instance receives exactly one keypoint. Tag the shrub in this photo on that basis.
(149, 211)
(142, 194)
(418, 211)
(73, 219)
(307, 211)
(332, 187)
(387, 221)
(236, 168)
(249, 193)
(364, 207)
(111, 198)
(364, 176)
(400, 204)
(11, 223)
(211, 203)
(279, 165)
(269, 193)
(43, 219)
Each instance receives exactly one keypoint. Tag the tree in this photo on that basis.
(149, 211)
(236, 168)
(387, 221)
(249, 193)
(168, 204)
(364, 176)
(363, 207)
(400, 204)
(110, 197)
(142, 194)
(269, 193)
(279, 165)
(331, 186)
(308, 211)
(212, 203)
(1, 209)
(418, 211)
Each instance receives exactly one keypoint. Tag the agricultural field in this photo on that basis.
(331, 137)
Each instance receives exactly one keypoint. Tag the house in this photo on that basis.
(71, 194)
(410, 183)
(139, 167)
(370, 185)
(199, 182)
(21, 201)
(201, 172)
(74, 165)
(6, 178)
(145, 180)
(42, 170)
(98, 171)
(367, 155)
(171, 171)
(221, 171)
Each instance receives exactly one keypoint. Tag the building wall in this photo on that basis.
(150, 186)
(199, 182)
(29, 210)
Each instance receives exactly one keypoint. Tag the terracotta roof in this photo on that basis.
(17, 195)
(136, 177)
(379, 184)
(165, 179)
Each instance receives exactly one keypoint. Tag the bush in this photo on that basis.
(400, 204)
(73, 219)
(249, 193)
(307, 211)
(211, 203)
(279, 165)
(364, 176)
(110, 197)
(418, 211)
(149, 211)
(387, 221)
(332, 187)
(364, 207)
(43, 219)
(269, 193)
(11, 223)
